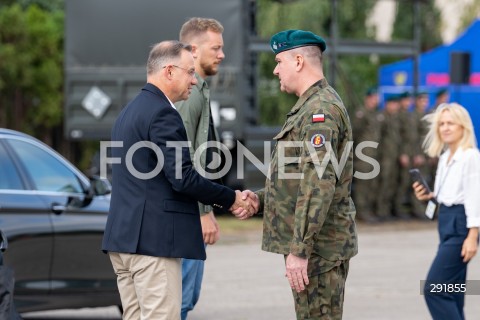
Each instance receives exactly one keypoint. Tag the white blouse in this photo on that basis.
(458, 182)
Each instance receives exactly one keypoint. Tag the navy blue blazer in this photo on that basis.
(157, 216)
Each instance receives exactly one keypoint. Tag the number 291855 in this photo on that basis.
(447, 288)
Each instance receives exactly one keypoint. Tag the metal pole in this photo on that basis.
(334, 38)
(417, 43)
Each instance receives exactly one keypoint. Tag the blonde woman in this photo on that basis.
(457, 186)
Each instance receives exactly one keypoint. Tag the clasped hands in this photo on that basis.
(246, 204)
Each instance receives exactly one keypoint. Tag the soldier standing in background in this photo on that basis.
(442, 96)
(420, 160)
(366, 127)
(388, 154)
(406, 146)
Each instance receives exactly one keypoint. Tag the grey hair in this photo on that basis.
(164, 53)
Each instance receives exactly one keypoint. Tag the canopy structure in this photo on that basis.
(435, 74)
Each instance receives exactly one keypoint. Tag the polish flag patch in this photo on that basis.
(319, 117)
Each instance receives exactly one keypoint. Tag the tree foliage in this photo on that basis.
(354, 73)
(430, 22)
(31, 63)
(48, 5)
(472, 12)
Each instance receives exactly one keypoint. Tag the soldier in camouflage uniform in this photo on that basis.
(408, 139)
(309, 216)
(420, 160)
(442, 96)
(389, 154)
(366, 127)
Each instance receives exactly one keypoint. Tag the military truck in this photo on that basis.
(106, 47)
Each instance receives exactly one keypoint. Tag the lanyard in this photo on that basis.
(440, 184)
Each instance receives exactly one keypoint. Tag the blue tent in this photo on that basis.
(434, 67)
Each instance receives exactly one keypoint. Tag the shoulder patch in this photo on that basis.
(318, 117)
(359, 114)
(317, 140)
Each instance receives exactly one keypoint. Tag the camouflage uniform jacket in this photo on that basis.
(390, 142)
(420, 129)
(312, 216)
(366, 125)
(407, 133)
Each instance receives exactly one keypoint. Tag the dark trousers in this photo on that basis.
(448, 266)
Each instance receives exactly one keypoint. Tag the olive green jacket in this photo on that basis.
(195, 113)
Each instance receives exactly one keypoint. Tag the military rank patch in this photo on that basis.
(317, 140)
(319, 117)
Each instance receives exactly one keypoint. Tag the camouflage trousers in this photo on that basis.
(323, 297)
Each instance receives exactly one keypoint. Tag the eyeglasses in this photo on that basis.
(190, 72)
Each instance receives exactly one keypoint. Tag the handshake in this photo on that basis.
(246, 204)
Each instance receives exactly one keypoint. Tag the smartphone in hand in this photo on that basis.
(417, 177)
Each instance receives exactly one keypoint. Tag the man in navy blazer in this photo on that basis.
(154, 219)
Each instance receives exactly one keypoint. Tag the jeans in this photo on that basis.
(192, 275)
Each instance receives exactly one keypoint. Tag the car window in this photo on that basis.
(46, 171)
(9, 177)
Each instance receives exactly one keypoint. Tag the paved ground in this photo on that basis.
(242, 282)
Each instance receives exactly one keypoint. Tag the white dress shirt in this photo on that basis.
(458, 182)
(171, 103)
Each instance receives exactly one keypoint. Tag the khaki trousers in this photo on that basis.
(150, 287)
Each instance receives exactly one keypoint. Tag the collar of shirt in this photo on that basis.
(154, 89)
(173, 106)
(322, 83)
(456, 156)
(201, 83)
(444, 167)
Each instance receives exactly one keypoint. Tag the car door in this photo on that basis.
(25, 220)
(78, 264)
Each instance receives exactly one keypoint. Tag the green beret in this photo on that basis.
(392, 97)
(421, 94)
(405, 94)
(290, 39)
(441, 92)
(371, 91)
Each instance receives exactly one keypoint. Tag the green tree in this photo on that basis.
(355, 73)
(31, 76)
(430, 22)
(48, 5)
(470, 13)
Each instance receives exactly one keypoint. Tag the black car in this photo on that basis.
(53, 217)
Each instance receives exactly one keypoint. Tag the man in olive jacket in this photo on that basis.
(205, 37)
